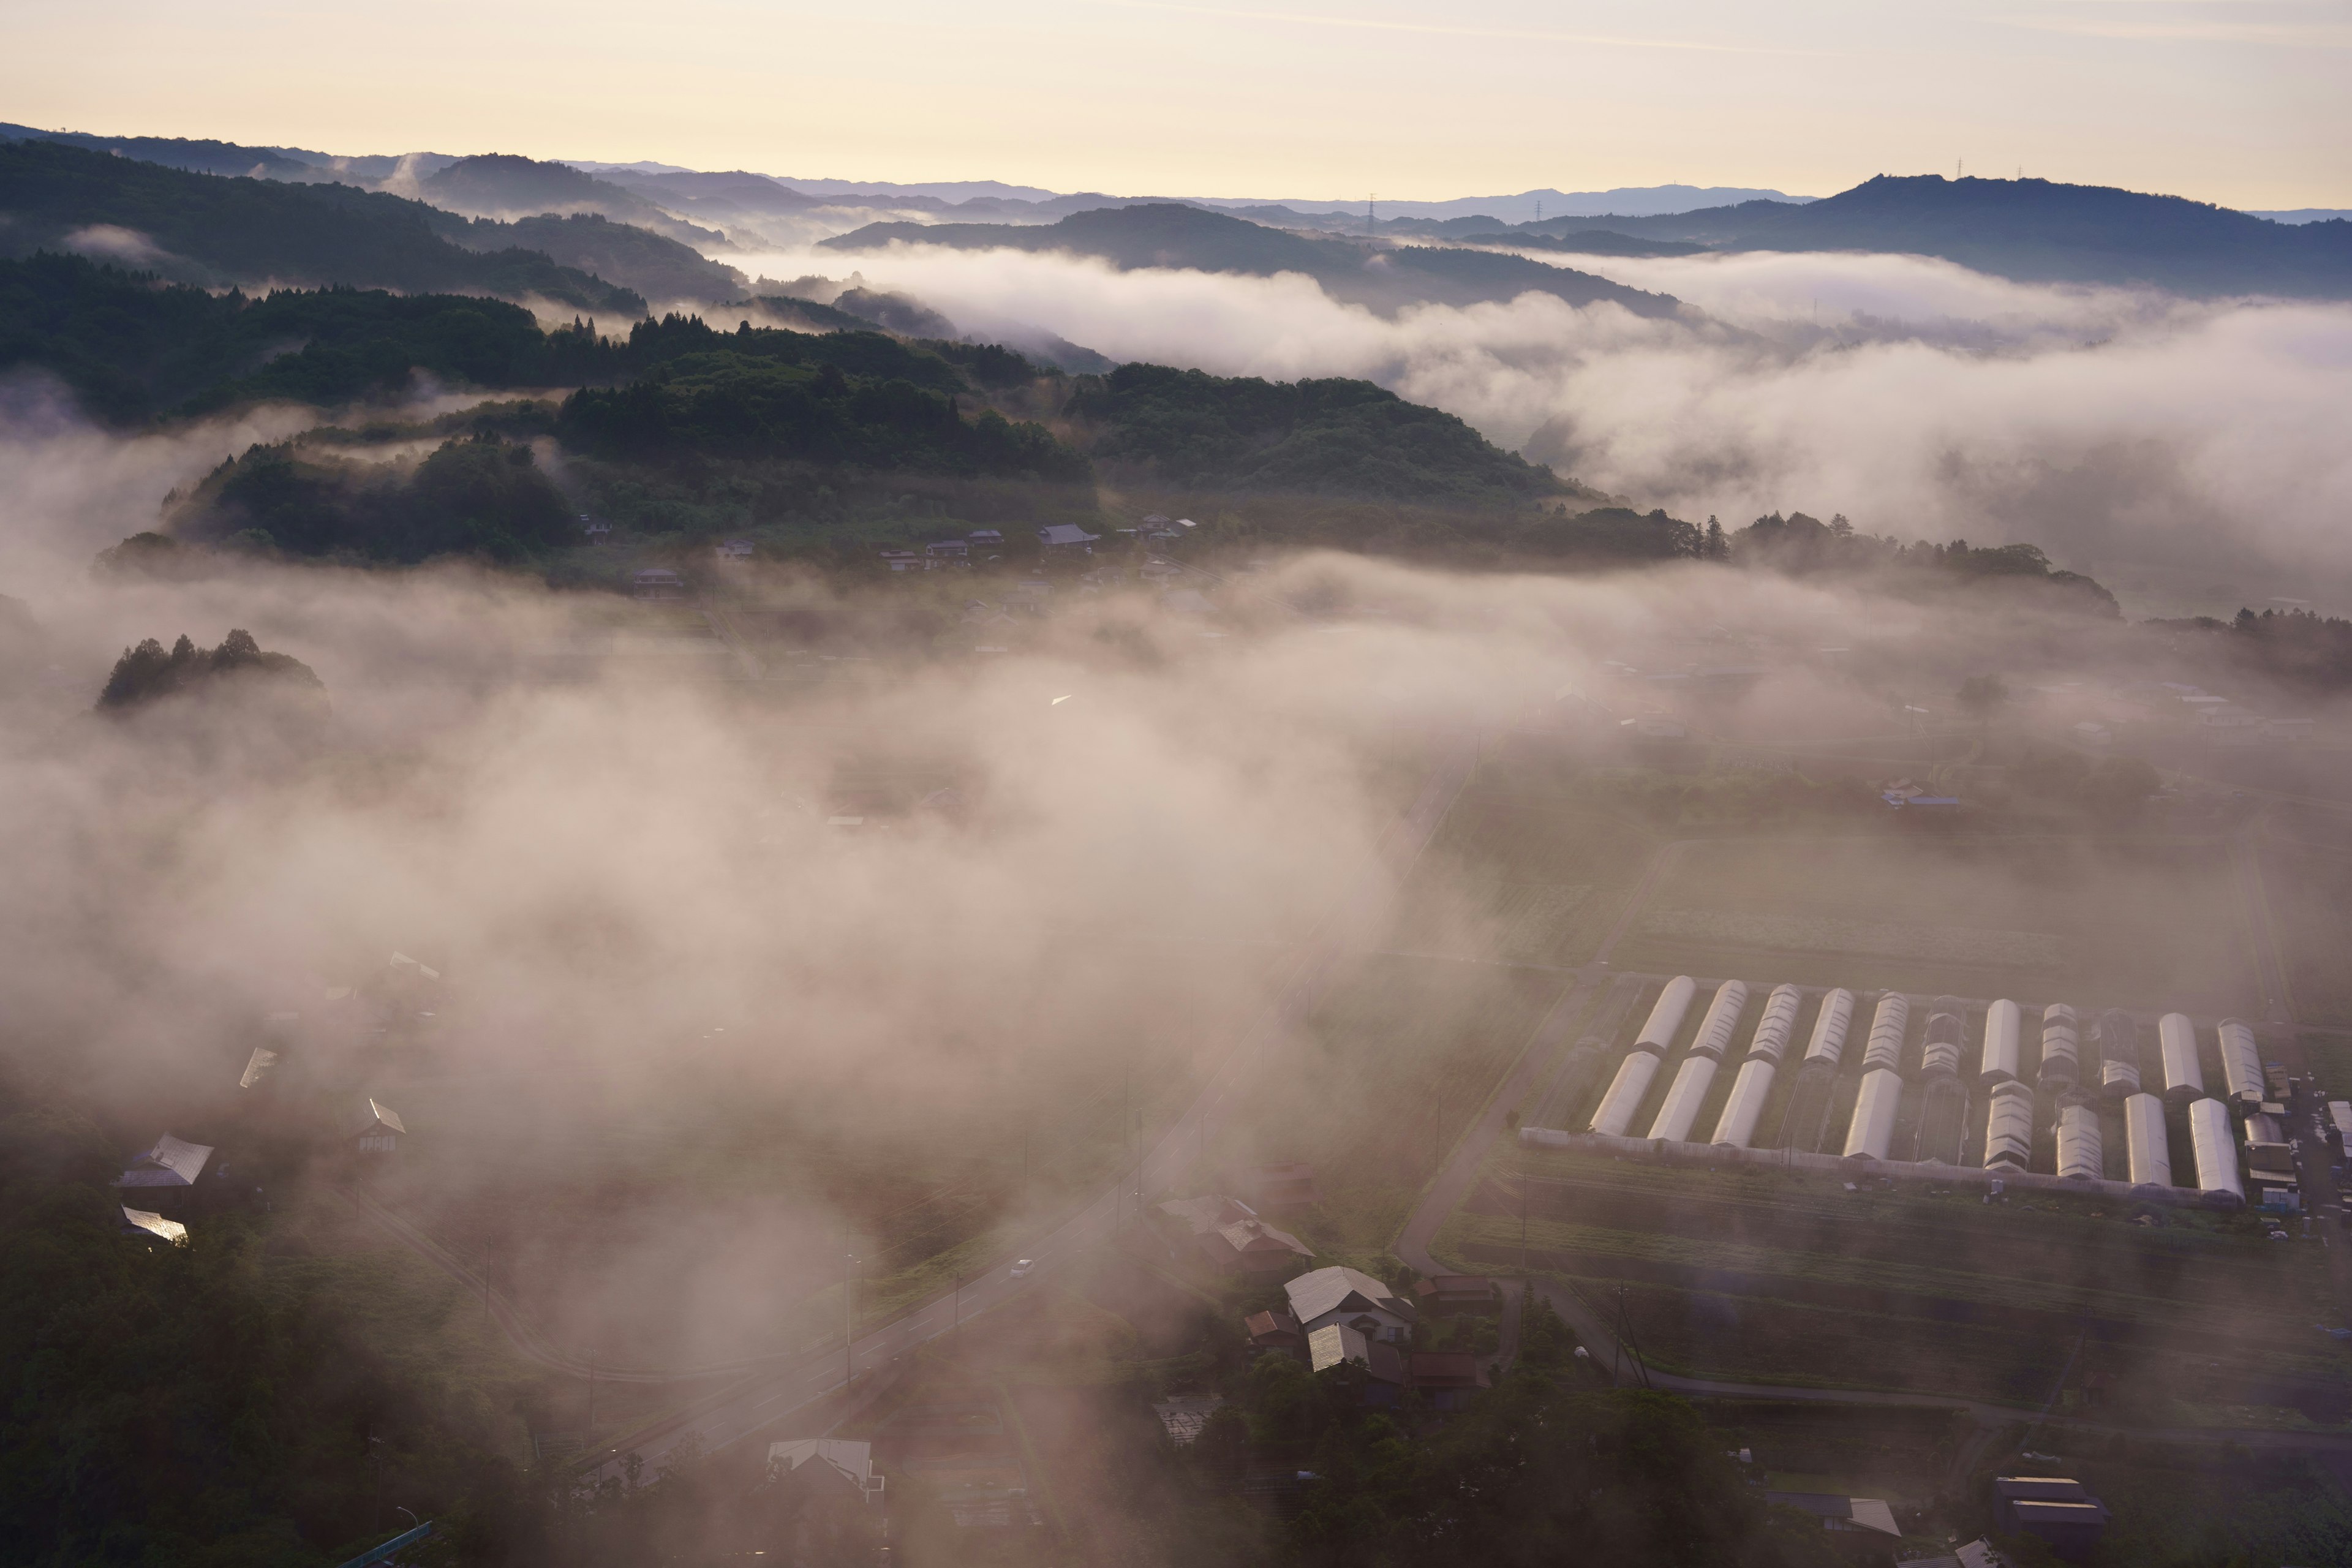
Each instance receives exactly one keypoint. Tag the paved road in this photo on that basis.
(1355, 923)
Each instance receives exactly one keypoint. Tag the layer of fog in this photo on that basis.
(1917, 397)
(669, 979)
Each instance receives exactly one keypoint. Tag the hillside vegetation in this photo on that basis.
(215, 231)
(1331, 437)
(1385, 279)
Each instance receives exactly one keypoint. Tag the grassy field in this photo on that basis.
(1789, 1278)
(710, 1222)
(1381, 1085)
(2309, 890)
(2097, 922)
(1522, 878)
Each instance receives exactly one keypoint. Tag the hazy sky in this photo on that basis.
(2240, 102)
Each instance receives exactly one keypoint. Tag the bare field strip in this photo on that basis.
(2098, 922)
(1788, 1278)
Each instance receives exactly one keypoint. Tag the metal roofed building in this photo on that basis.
(1337, 1344)
(852, 1461)
(143, 1223)
(171, 1166)
(1842, 1515)
(1066, 536)
(371, 1127)
(1232, 1235)
(1349, 1297)
(2057, 1510)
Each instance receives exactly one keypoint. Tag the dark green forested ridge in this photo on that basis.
(1337, 436)
(133, 347)
(215, 231)
(147, 674)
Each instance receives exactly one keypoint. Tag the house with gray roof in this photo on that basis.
(1350, 1297)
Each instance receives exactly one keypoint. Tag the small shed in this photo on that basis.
(1447, 1294)
(371, 1127)
(147, 1226)
(165, 1176)
(1444, 1379)
(1274, 1329)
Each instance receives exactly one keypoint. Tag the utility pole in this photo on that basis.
(848, 1321)
(592, 1390)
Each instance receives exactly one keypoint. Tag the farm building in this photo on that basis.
(1666, 1014)
(2082, 1155)
(2009, 1128)
(1722, 1018)
(1230, 1236)
(144, 1225)
(1884, 1050)
(852, 1463)
(1443, 1379)
(1274, 1329)
(2060, 1046)
(2057, 1510)
(1067, 536)
(2176, 1037)
(2216, 1152)
(1804, 1123)
(1696, 1075)
(2242, 1061)
(1684, 1097)
(1446, 1294)
(658, 583)
(2118, 1054)
(1778, 1024)
(2151, 1156)
(369, 1127)
(1349, 1296)
(1615, 1111)
(258, 1068)
(1830, 1026)
(166, 1174)
(1735, 1127)
(1999, 1058)
(1868, 1519)
(1871, 1133)
(1337, 1344)
(1943, 1120)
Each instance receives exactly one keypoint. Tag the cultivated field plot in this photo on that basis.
(708, 1224)
(2096, 922)
(1523, 879)
(2309, 890)
(1788, 1278)
(1382, 1082)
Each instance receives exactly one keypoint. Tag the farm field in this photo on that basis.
(2309, 890)
(2097, 922)
(1521, 879)
(715, 1230)
(1379, 1086)
(1788, 1278)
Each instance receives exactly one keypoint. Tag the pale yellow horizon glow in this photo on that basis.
(2236, 101)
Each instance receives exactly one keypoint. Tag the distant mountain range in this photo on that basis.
(1385, 279)
(2030, 230)
(652, 228)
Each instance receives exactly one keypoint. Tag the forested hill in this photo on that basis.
(213, 231)
(1385, 279)
(2035, 231)
(1184, 429)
